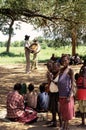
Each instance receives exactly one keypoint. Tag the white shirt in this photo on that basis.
(27, 44)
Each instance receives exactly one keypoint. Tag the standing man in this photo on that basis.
(35, 53)
(27, 53)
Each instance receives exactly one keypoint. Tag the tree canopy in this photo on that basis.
(52, 16)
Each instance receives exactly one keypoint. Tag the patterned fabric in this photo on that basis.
(29, 116)
(15, 109)
(67, 108)
(64, 84)
(82, 106)
(32, 99)
(15, 105)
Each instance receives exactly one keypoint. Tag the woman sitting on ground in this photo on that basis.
(16, 110)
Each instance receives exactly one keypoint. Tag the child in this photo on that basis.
(81, 93)
(43, 99)
(31, 96)
(53, 93)
(65, 86)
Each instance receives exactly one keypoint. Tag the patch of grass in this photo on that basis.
(17, 54)
(10, 54)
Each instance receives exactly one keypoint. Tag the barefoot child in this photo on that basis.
(65, 86)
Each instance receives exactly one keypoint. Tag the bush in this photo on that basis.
(16, 44)
(3, 44)
(43, 45)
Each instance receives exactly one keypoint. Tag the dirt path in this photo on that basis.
(9, 75)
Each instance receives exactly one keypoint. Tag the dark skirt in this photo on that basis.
(53, 102)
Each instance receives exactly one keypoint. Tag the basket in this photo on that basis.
(34, 48)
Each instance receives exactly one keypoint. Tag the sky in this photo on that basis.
(26, 29)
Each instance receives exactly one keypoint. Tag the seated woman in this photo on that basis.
(16, 110)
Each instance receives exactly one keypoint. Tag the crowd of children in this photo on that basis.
(55, 95)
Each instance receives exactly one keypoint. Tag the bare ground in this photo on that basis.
(9, 75)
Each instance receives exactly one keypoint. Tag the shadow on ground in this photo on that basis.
(9, 75)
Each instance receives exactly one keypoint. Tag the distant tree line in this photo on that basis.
(44, 43)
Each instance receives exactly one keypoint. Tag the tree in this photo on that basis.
(76, 17)
(8, 16)
(48, 14)
(15, 10)
(68, 16)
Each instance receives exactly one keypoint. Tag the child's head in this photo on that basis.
(56, 67)
(42, 87)
(50, 65)
(17, 87)
(65, 59)
(30, 87)
(27, 37)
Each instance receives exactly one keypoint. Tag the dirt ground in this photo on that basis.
(9, 75)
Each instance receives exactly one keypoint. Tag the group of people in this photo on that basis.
(33, 48)
(69, 86)
(63, 78)
(56, 95)
(74, 60)
(23, 103)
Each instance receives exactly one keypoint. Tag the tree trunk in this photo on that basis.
(74, 40)
(9, 37)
